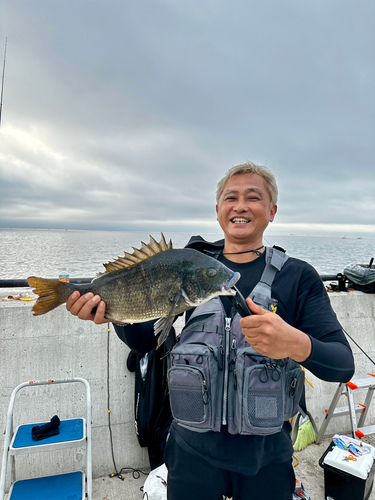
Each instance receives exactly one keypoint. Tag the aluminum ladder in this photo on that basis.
(74, 432)
(359, 430)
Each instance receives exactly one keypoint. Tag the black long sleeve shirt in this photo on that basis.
(303, 303)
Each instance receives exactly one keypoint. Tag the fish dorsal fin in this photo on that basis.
(143, 253)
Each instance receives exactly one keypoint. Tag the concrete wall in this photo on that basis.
(356, 313)
(57, 345)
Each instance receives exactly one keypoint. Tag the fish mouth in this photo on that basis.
(227, 285)
(240, 220)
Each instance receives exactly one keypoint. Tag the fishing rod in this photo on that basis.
(359, 347)
(2, 80)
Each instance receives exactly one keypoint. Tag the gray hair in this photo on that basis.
(251, 168)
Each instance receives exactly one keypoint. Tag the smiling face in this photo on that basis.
(244, 210)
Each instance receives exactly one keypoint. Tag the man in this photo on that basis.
(231, 455)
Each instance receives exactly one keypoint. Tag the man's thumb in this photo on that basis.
(254, 308)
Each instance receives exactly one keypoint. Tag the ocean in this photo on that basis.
(26, 252)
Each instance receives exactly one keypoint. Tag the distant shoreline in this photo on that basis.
(270, 232)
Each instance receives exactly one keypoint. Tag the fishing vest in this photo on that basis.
(216, 378)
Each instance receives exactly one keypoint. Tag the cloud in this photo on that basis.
(127, 114)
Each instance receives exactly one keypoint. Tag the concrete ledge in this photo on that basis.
(57, 345)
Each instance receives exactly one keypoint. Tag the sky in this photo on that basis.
(124, 115)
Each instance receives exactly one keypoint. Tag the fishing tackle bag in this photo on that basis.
(361, 276)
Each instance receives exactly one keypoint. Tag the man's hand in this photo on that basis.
(88, 307)
(271, 336)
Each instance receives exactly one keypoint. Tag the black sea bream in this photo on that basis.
(153, 282)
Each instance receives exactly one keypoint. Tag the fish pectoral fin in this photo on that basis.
(164, 325)
(186, 298)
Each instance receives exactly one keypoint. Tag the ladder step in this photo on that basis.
(59, 487)
(71, 433)
(363, 380)
(365, 431)
(344, 410)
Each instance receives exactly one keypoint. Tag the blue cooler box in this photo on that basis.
(347, 479)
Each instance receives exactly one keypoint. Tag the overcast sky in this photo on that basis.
(125, 114)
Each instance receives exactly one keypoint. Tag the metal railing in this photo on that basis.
(16, 283)
(19, 283)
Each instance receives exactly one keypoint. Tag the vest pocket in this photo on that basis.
(263, 398)
(192, 381)
(189, 395)
(259, 398)
(293, 389)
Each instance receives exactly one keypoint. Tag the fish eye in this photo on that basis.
(211, 272)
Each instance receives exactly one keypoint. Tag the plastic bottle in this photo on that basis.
(64, 275)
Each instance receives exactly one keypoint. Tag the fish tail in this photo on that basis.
(51, 293)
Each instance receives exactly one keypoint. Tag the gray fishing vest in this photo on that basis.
(216, 378)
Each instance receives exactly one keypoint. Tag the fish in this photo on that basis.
(155, 282)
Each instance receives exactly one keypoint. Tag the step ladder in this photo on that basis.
(348, 389)
(75, 432)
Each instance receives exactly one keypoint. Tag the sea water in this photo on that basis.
(44, 252)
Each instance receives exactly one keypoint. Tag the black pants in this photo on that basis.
(191, 477)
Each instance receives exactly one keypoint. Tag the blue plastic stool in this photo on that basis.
(60, 487)
(70, 431)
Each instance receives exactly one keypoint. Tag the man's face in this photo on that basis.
(244, 209)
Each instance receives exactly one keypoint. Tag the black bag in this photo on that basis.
(361, 276)
(152, 410)
(363, 288)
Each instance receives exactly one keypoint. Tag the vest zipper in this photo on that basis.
(226, 369)
(232, 360)
(205, 393)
